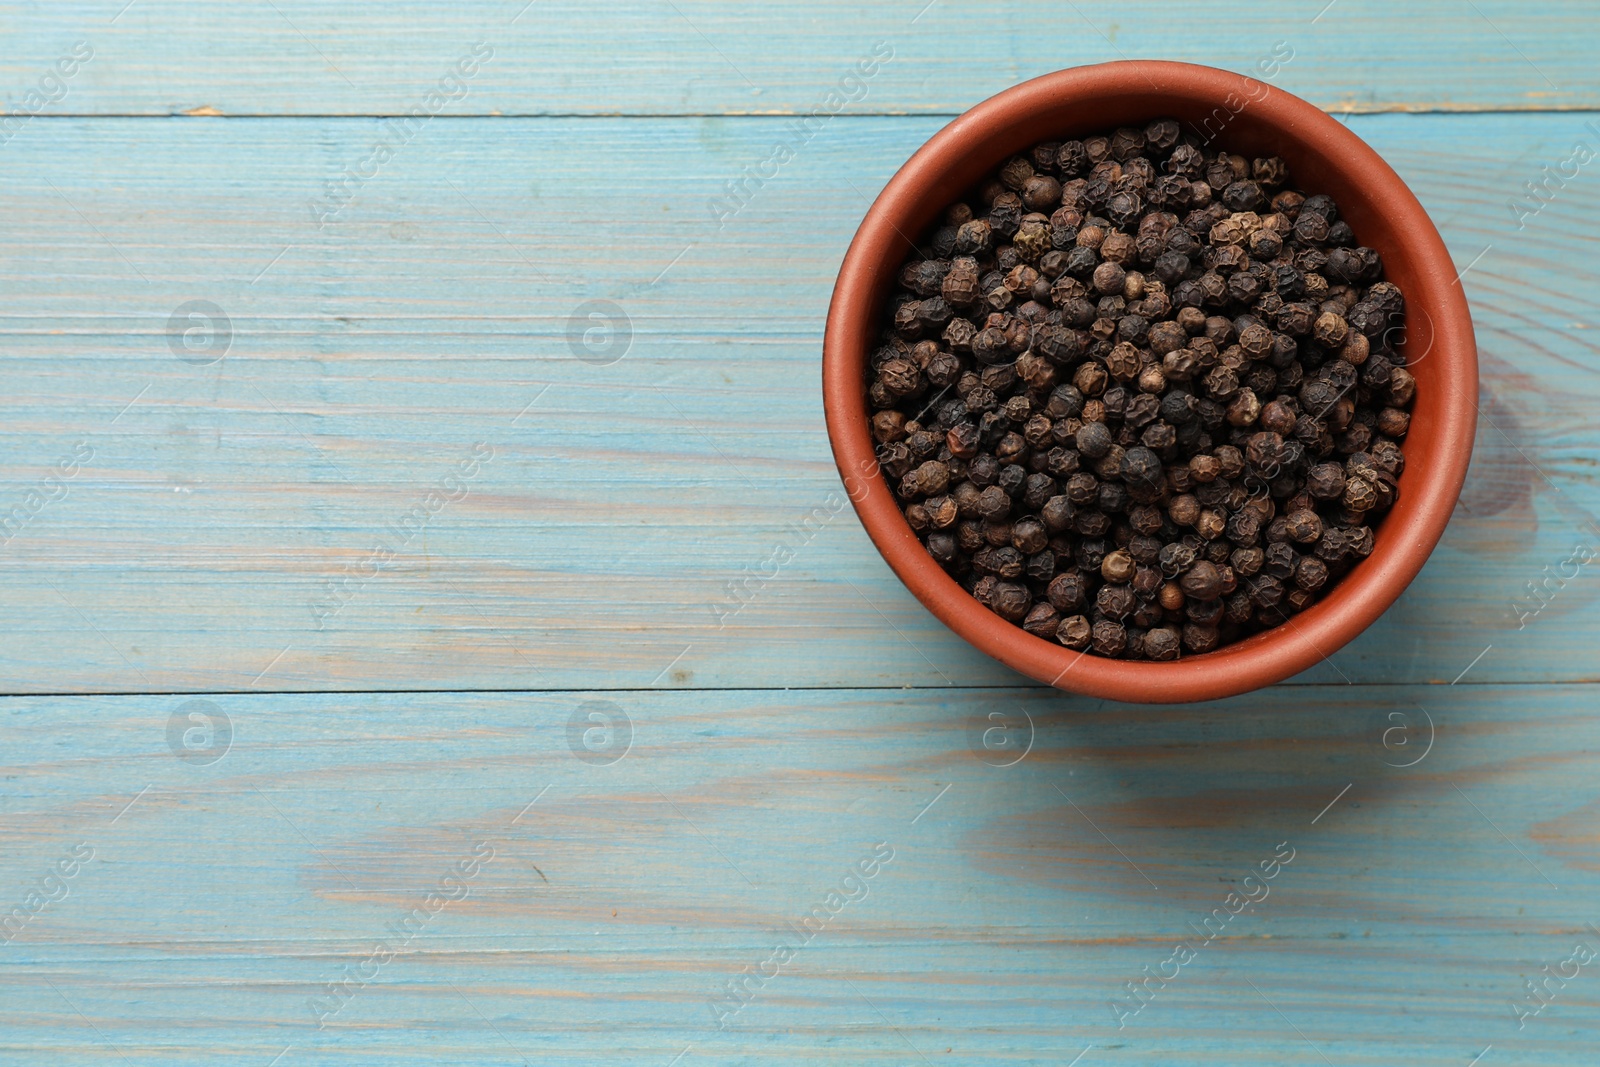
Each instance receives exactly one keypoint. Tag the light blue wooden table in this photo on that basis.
(400, 425)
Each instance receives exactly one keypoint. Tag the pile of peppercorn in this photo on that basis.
(1140, 398)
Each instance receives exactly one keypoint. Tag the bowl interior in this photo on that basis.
(1237, 114)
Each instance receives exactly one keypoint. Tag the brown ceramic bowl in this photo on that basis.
(1244, 116)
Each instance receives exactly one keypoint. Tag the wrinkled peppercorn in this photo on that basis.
(1140, 399)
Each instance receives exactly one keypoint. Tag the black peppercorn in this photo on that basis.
(1203, 581)
(993, 503)
(1011, 601)
(1109, 638)
(1171, 398)
(1042, 621)
(1074, 632)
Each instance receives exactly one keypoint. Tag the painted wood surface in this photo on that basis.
(620, 534)
(621, 892)
(626, 783)
(656, 57)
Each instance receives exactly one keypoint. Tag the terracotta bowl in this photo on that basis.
(1244, 116)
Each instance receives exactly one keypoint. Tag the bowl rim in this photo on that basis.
(1405, 538)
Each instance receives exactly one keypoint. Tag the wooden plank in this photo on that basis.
(549, 57)
(596, 548)
(620, 897)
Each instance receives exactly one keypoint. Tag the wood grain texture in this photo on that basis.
(553, 57)
(597, 547)
(620, 898)
(172, 527)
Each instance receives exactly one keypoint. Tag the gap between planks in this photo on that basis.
(1383, 109)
